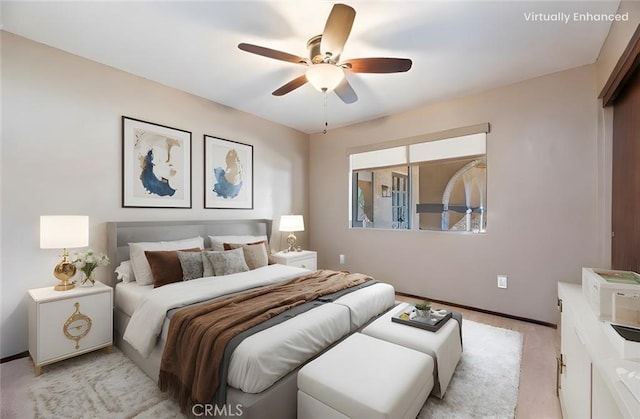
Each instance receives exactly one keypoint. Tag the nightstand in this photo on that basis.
(63, 324)
(307, 259)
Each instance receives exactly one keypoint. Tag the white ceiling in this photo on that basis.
(457, 48)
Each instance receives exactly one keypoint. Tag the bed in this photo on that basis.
(262, 370)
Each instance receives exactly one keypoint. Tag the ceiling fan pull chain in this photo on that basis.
(326, 119)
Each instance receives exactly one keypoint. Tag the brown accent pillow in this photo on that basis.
(265, 242)
(255, 254)
(165, 265)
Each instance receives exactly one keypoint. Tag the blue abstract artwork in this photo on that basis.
(229, 174)
(229, 179)
(151, 182)
(156, 165)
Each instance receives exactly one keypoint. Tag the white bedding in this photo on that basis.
(150, 313)
(265, 357)
(368, 302)
(127, 295)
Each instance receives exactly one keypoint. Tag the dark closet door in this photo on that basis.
(625, 211)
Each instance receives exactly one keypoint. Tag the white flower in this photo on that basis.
(88, 261)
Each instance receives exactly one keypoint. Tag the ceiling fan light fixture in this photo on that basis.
(325, 77)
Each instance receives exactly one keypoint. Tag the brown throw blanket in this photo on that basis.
(198, 335)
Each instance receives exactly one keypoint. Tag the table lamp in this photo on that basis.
(291, 223)
(63, 232)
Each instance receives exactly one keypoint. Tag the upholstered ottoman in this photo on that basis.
(444, 345)
(365, 377)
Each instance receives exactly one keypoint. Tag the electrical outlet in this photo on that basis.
(341, 259)
(502, 281)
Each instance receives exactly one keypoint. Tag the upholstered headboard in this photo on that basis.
(120, 234)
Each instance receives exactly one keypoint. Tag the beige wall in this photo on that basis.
(61, 154)
(541, 194)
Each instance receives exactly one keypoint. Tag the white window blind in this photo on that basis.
(467, 145)
(387, 157)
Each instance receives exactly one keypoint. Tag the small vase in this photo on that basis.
(87, 280)
(424, 314)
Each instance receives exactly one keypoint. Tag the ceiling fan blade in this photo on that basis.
(377, 65)
(345, 92)
(292, 85)
(336, 30)
(272, 53)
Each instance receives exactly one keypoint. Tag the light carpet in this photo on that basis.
(485, 383)
(100, 385)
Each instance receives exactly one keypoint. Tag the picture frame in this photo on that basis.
(156, 165)
(228, 174)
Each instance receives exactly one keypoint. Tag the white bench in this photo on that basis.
(444, 345)
(364, 377)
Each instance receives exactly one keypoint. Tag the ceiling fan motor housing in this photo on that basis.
(313, 45)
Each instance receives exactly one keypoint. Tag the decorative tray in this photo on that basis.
(432, 322)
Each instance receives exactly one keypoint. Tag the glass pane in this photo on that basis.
(453, 195)
(443, 188)
(380, 198)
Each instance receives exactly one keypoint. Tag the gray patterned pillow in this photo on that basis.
(255, 254)
(191, 263)
(207, 267)
(228, 262)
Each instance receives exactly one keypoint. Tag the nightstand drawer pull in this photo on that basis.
(77, 326)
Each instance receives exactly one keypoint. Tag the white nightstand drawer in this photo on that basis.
(306, 263)
(52, 317)
(306, 259)
(63, 324)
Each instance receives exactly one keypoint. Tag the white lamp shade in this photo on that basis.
(64, 231)
(325, 76)
(291, 223)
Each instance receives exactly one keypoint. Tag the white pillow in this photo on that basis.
(217, 242)
(139, 263)
(124, 272)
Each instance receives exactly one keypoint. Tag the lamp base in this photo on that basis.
(291, 241)
(65, 286)
(64, 271)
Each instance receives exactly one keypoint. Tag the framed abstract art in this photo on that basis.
(156, 165)
(228, 174)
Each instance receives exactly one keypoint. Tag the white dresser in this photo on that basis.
(588, 384)
(63, 324)
(307, 259)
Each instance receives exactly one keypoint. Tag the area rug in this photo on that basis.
(485, 383)
(99, 385)
(110, 386)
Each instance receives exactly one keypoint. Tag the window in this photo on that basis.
(399, 201)
(422, 185)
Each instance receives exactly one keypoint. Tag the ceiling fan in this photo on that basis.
(325, 70)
